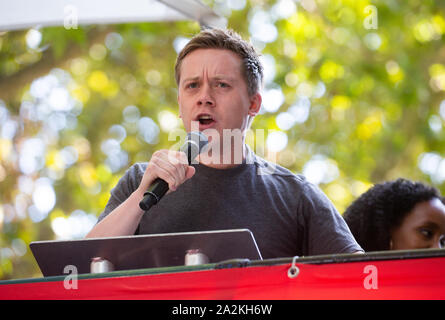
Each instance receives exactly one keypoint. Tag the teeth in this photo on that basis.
(205, 117)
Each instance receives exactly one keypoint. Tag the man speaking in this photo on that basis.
(219, 78)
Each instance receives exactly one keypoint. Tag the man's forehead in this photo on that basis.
(218, 76)
(220, 62)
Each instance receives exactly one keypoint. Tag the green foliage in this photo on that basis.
(374, 107)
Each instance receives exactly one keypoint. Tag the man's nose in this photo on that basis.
(205, 96)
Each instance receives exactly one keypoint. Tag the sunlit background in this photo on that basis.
(343, 104)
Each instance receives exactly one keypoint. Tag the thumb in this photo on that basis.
(190, 172)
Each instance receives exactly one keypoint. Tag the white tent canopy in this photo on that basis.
(23, 14)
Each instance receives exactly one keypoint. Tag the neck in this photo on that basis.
(225, 157)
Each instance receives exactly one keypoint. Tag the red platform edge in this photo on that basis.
(417, 279)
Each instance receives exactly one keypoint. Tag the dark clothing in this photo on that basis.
(287, 215)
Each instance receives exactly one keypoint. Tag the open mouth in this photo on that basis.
(205, 119)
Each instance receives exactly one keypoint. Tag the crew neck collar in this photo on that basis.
(249, 159)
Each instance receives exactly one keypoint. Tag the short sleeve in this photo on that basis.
(326, 230)
(126, 185)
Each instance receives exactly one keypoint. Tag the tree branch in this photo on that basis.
(11, 87)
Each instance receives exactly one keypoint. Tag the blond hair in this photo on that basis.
(251, 68)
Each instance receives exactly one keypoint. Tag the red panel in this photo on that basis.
(394, 279)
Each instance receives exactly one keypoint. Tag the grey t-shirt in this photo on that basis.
(287, 215)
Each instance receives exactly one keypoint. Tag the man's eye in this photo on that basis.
(192, 85)
(223, 85)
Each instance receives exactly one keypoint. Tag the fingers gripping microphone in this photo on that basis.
(194, 144)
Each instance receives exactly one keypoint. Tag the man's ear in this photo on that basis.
(255, 104)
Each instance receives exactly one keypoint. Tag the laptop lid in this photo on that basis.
(144, 251)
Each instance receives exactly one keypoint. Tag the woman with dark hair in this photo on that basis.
(397, 215)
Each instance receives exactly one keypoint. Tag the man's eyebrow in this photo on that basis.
(217, 77)
(190, 79)
(224, 77)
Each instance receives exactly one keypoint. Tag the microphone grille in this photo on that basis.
(195, 143)
(199, 138)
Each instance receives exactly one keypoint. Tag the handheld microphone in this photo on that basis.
(194, 144)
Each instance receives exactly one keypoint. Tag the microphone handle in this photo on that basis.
(157, 190)
(159, 187)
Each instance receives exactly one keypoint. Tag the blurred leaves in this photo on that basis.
(357, 106)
